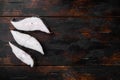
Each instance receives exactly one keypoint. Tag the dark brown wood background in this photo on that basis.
(84, 44)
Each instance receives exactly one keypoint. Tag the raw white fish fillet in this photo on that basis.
(27, 41)
(22, 55)
(30, 24)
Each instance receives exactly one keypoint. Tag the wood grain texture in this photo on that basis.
(59, 7)
(84, 43)
(60, 73)
(74, 41)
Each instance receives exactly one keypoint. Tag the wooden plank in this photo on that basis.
(60, 73)
(75, 41)
(59, 8)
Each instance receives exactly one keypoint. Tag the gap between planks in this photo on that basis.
(68, 16)
(65, 65)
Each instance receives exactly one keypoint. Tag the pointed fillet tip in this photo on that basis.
(22, 55)
(12, 31)
(30, 24)
(27, 41)
(42, 52)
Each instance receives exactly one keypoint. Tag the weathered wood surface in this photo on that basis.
(74, 41)
(84, 44)
(60, 73)
(59, 7)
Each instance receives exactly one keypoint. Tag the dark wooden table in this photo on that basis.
(85, 44)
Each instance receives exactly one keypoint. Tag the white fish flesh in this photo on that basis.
(22, 55)
(30, 24)
(27, 41)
